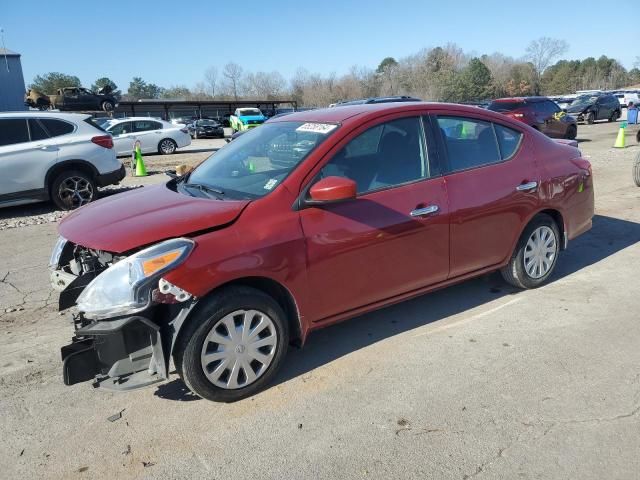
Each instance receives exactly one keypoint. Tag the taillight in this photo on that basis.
(184, 130)
(583, 164)
(103, 140)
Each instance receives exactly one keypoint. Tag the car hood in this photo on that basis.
(578, 108)
(147, 215)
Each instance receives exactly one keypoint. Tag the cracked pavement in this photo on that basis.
(475, 381)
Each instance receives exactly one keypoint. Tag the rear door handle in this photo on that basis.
(525, 187)
(421, 212)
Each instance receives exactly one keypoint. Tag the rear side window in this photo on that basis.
(508, 140)
(121, 128)
(36, 130)
(505, 106)
(57, 127)
(469, 143)
(13, 130)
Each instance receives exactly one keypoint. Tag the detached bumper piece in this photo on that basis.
(121, 354)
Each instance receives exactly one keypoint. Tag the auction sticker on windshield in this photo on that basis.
(322, 128)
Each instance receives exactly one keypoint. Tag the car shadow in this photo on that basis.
(607, 237)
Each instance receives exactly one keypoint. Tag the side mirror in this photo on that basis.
(333, 189)
(564, 110)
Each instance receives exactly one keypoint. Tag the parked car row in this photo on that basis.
(312, 218)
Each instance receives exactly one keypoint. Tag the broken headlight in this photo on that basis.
(57, 252)
(126, 286)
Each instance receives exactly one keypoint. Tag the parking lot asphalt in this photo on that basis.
(475, 381)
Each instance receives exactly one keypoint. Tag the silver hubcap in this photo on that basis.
(239, 349)
(540, 252)
(75, 192)
(167, 146)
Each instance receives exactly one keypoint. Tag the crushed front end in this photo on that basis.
(128, 314)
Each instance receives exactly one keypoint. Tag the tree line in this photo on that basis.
(443, 73)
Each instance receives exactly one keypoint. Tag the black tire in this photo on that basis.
(107, 106)
(515, 272)
(590, 118)
(167, 146)
(187, 353)
(613, 117)
(571, 133)
(636, 171)
(62, 185)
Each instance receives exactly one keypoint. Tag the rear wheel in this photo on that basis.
(233, 346)
(636, 171)
(167, 146)
(613, 117)
(72, 189)
(571, 133)
(107, 106)
(535, 255)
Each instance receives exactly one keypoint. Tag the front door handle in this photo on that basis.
(525, 187)
(421, 212)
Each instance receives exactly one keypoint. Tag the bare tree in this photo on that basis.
(541, 53)
(233, 74)
(211, 80)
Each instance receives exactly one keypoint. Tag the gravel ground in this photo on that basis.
(474, 381)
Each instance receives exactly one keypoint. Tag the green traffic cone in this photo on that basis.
(620, 139)
(141, 170)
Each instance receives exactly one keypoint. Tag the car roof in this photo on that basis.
(128, 119)
(522, 99)
(342, 114)
(33, 113)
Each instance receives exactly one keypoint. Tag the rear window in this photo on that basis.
(36, 130)
(98, 123)
(13, 130)
(505, 106)
(57, 127)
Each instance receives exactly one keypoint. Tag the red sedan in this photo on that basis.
(304, 222)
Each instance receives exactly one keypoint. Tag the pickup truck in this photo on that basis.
(246, 118)
(73, 99)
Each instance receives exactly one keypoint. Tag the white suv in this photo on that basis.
(59, 156)
(154, 135)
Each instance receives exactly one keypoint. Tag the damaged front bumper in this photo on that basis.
(121, 353)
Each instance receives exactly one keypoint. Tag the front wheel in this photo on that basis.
(233, 346)
(636, 171)
(591, 117)
(72, 189)
(107, 106)
(535, 255)
(167, 146)
(571, 133)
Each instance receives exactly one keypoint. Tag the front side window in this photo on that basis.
(469, 143)
(146, 125)
(257, 162)
(57, 127)
(120, 128)
(383, 156)
(13, 130)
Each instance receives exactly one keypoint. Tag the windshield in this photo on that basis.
(257, 162)
(245, 112)
(211, 123)
(585, 100)
(504, 106)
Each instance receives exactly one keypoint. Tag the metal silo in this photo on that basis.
(11, 81)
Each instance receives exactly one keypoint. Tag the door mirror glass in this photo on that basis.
(333, 189)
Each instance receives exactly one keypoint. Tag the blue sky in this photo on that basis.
(172, 43)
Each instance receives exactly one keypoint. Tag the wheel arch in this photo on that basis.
(272, 288)
(60, 167)
(557, 217)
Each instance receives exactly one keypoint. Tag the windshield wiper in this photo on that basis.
(206, 189)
